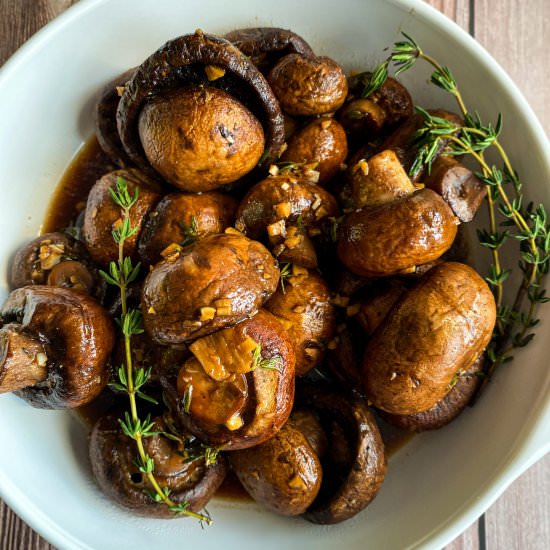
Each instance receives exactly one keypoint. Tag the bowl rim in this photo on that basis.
(528, 449)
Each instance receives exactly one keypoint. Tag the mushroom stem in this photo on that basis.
(22, 359)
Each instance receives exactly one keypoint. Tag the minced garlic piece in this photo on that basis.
(214, 72)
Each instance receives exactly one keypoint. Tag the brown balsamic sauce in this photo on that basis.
(68, 201)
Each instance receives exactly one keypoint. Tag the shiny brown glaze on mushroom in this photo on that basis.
(183, 218)
(239, 384)
(113, 460)
(62, 339)
(216, 282)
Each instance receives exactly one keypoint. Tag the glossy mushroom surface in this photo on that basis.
(75, 335)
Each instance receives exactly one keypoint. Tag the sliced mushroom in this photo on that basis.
(215, 283)
(182, 219)
(189, 62)
(305, 309)
(355, 463)
(55, 347)
(238, 389)
(113, 460)
(283, 474)
(103, 215)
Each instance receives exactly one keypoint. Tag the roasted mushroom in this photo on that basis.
(322, 142)
(397, 236)
(215, 283)
(238, 389)
(462, 389)
(288, 210)
(103, 215)
(55, 344)
(379, 180)
(105, 109)
(181, 219)
(458, 185)
(307, 86)
(199, 139)
(355, 463)
(56, 259)
(199, 77)
(304, 308)
(283, 474)
(113, 460)
(266, 45)
(436, 330)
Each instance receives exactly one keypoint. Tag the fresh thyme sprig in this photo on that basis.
(274, 363)
(131, 380)
(190, 231)
(526, 224)
(286, 272)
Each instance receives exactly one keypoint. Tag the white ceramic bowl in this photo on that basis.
(436, 485)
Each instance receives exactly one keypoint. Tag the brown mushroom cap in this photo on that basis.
(307, 86)
(105, 109)
(436, 329)
(266, 45)
(268, 392)
(102, 215)
(355, 463)
(77, 336)
(229, 274)
(113, 460)
(285, 197)
(182, 61)
(283, 474)
(445, 410)
(322, 141)
(184, 218)
(55, 259)
(305, 309)
(199, 139)
(397, 236)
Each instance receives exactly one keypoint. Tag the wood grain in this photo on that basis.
(514, 32)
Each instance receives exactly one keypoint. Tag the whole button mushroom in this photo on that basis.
(218, 281)
(204, 81)
(55, 344)
(105, 109)
(56, 259)
(304, 307)
(288, 210)
(307, 86)
(102, 215)
(354, 464)
(237, 389)
(462, 389)
(434, 331)
(183, 218)
(113, 460)
(322, 141)
(266, 45)
(199, 139)
(397, 236)
(282, 474)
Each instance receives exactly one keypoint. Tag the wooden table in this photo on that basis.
(516, 33)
